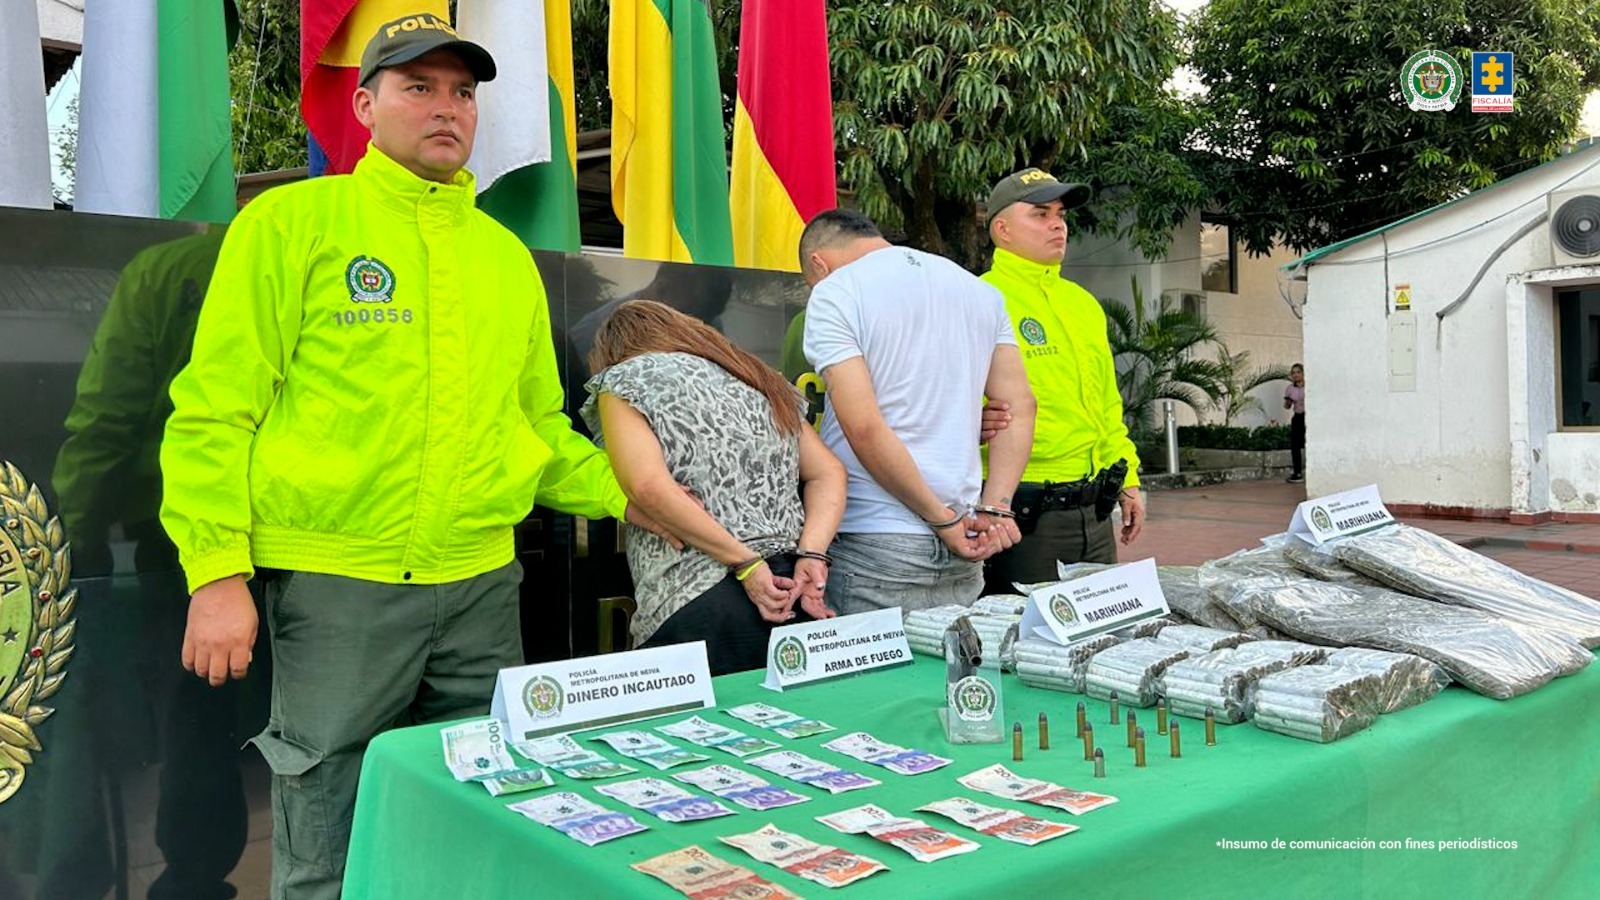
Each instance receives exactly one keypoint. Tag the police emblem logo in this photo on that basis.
(1032, 331)
(36, 622)
(369, 280)
(1431, 81)
(1062, 610)
(1321, 519)
(789, 656)
(542, 696)
(975, 699)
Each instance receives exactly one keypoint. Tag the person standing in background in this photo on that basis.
(1294, 400)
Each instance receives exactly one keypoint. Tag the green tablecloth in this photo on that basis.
(1458, 767)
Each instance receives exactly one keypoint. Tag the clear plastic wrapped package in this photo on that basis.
(1320, 563)
(925, 631)
(1132, 669)
(1186, 597)
(1201, 639)
(1422, 563)
(1146, 628)
(1493, 656)
(1005, 605)
(1059, 668)
(1219, 576)
(1317, 703)
(1224, 680)
(1404, 678)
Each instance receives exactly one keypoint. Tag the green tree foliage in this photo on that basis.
(264, 69)
(1238, 379)
(934, 101)
(1157, 359)
(1304, 105)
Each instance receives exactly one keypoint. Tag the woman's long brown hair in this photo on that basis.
(645, 326)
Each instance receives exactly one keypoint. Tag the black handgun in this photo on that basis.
(1108, 487)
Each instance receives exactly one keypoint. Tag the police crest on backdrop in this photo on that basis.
(36, 622)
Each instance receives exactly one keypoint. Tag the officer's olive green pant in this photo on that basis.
(352, 658)
(1068, 535)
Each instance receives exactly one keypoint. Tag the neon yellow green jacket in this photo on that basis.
(1061, 331)
(372, 392)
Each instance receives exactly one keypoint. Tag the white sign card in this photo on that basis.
(829, 648)
(1336, 515)
(1069, 611)
(575, 694)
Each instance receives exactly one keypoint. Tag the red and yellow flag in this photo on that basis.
(332, 35)
(783, 172)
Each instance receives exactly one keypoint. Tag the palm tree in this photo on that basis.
(1156, 358)
(1240, 380)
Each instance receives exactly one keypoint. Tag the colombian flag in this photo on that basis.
(783, 171)
(332, 35)
(526, 155)
(669, 164)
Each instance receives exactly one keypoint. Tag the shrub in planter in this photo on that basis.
(1229, 437)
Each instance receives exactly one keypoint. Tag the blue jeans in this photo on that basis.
(898, 571)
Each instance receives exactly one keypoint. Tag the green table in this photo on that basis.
(1458, 767)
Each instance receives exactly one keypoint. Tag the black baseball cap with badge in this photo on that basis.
(414, 36)
(1034, 186)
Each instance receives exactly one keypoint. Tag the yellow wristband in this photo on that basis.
(745, 572)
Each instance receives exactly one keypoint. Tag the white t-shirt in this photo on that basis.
(927, 329)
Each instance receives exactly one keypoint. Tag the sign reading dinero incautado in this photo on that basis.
(1431, 81)
(574, 694)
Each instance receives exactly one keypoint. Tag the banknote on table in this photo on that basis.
(695, 873)
(804, 769)
(867, 748)
(475, 750)
(916, 837)
(649, 749)
(719, 737)
(1001, 782)
(828, 866)
(1005, 824)
(518, 782)
(741, 787)
(578, 818)
(664, 800)
(567, 756)
(781, 721)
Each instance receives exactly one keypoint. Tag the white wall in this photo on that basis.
(61, 23)
(1256, 318)
(1447, 442)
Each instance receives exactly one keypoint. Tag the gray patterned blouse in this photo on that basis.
(719, 440)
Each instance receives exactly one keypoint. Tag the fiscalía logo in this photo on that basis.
(1431, 81)
(974, 699)
(1493, 81)
(1032, 331)
(542, 695)
(37, 622)
(369, 280)
(1321, 519)
(789, 656)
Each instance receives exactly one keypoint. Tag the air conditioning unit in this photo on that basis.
(1575, 228)
(1191, 302)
